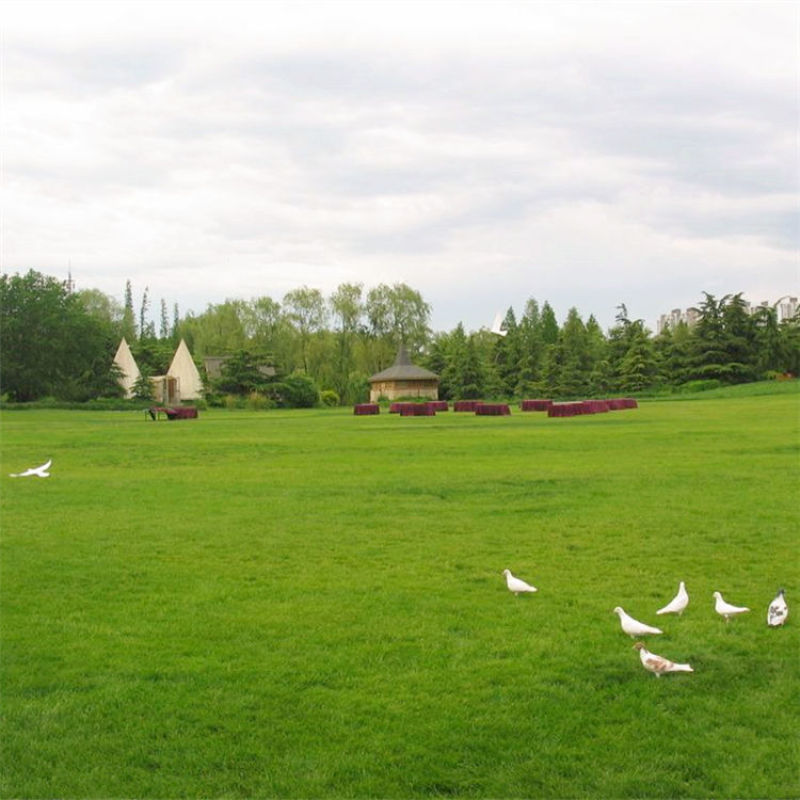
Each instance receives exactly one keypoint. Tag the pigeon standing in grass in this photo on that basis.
(659, 665)
(39, 472)
(778, 610)
(632, 626)
(726, 609)
(678, 603)
(516, 585)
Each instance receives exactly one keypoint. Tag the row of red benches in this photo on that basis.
(480, 408)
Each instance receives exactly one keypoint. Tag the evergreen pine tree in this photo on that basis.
(128, 317)
(164, 330)
(531, 352)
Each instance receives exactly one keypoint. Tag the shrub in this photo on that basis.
(143, 388)
(297, 391)
(329, 398)
(258, 402)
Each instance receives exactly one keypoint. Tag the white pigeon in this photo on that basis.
(778, 610)
(678, 603)
(517, 585)
(632, 626)
(659, 665)
(39, 472)
(497, 325)
(726, 609)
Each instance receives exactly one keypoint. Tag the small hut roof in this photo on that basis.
(404, 370)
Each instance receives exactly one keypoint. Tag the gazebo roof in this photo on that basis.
(404, 370)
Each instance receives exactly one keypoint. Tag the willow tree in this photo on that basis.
(306, 310)
(347, 308)
(397, 315)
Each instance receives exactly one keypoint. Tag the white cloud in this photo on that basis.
(483, 153)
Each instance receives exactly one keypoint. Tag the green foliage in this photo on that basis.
(701, 385)
(537, 356)
(329, 398)
(332, 622)
(296, 391)
(357, 389)
(462, 377)
(258, 402)
(143, 387)
(51, 344)
(241, 375)
(307, 313)
(398, 315)
(153, 356)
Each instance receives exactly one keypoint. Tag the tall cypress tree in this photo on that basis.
(128, 317)
(740, 340)
(507, 354)
(529, 378)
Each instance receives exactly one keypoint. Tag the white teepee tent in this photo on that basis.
(127, 363)
(190, 384)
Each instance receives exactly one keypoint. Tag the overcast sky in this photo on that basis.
(484, 153)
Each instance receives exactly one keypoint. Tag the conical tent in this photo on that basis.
(127, 363)
(190, 384)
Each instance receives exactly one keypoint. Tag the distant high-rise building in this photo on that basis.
(786, 307)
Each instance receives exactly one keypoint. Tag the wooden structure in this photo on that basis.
(403, 379)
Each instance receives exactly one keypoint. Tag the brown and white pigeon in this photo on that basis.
(678, 603)
(632, 626)
(726, 609)
(517, 585)
(659, 665)
(778, 610)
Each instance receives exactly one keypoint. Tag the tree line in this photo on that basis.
(60, 343)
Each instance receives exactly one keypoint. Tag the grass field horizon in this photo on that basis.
(310, 604)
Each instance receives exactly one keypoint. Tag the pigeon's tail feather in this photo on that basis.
(681, 668)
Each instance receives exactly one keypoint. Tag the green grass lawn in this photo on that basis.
(310, 604)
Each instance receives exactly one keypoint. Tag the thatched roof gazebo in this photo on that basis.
(403, 379)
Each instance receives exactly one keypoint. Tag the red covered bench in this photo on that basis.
(535, 405)
(178, 412)
(619, 403)
(417, 410)
(492, 409)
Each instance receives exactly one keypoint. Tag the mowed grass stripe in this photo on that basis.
(304, 604)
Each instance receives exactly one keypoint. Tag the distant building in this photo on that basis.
(676, 316)
(214, 364)
(786, 307)
(404, 379)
